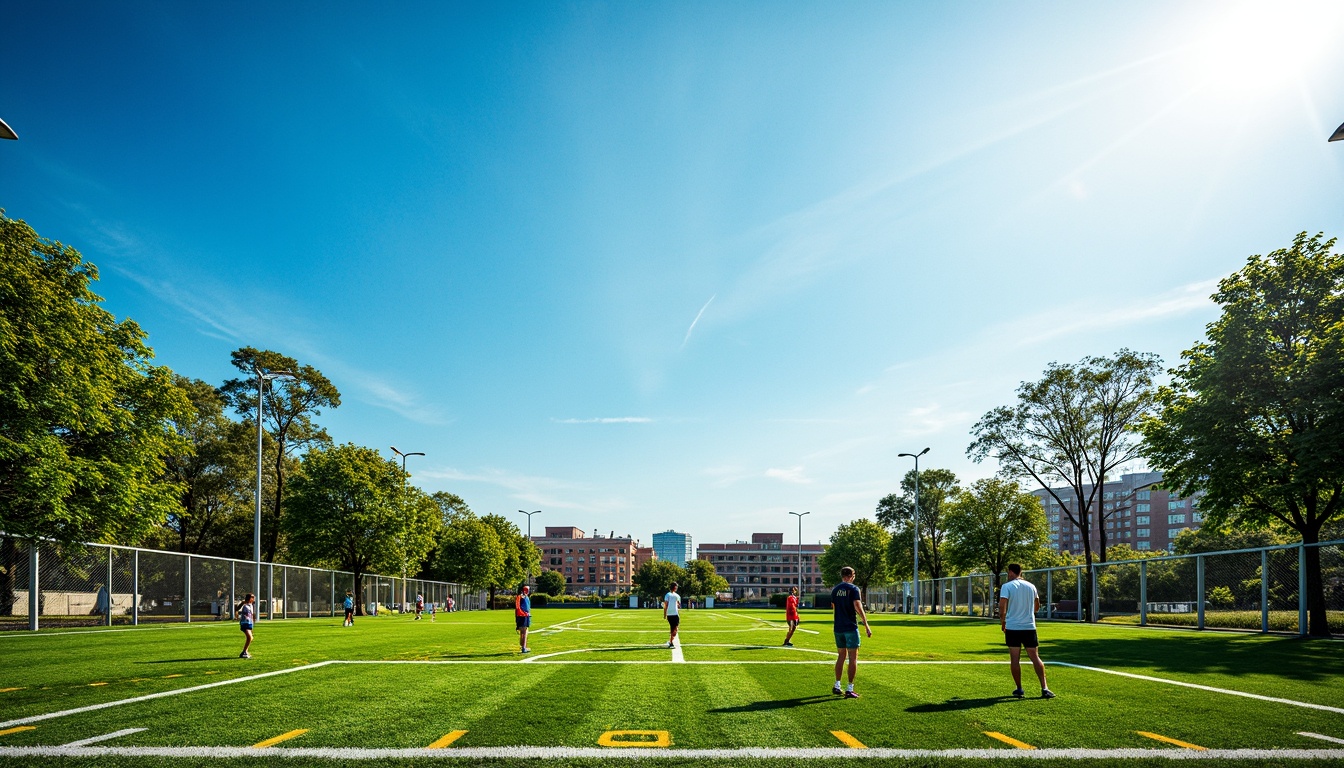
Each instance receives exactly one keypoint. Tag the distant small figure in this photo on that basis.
(452, 604)
(246, 612)
(522, 615)
(419, 606)
(432, 608)
(672, 612)
(349, 609)
(1018, 603)
(791, 615)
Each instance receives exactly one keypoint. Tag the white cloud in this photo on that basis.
(790, 475)
(607, 420)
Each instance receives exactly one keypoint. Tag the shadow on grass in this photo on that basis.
(954, 704)
(185, 661)
(1231, 655)
(772, 704)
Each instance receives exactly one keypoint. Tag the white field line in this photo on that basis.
(644, 753)
(159, 695)
(104, 737)
(144, 628)
(1320, 736)
(677, 658)
(1227, 691)
(694, 631)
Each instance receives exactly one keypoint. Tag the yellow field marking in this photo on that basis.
(277, 739)
(447, 739)
(165, 677)
(849, 741)
(1169, 740)
(8, 690)
(19, 729)
(660, 739)
(212, 673)
(1008, 740)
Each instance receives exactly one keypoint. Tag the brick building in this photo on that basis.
(590, 564)
(1136, 514)
(764, 566)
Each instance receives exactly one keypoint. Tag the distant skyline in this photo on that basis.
(692, 265)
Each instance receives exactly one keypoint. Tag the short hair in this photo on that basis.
(1015, 569)
(674, 585)
(846, 571)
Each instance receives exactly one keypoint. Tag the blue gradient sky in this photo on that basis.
(681, 265)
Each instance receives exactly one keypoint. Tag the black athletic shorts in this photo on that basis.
(674, 620)
(1019, 638)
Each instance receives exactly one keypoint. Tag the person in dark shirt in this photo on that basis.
(847, 602)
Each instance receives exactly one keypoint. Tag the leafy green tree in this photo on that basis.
(85, 419)
(993, 523)
(1253, 415)
(654, 578)
(345, 509)
(897, 512)
(700, 579)
(551, 583)
(862, 545)
(290, 406)
(469, 552)
(521, 558)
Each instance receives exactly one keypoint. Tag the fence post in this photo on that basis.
(284, 592)
(1199, 588)
(135, 588)
(1264, 590)
(310, 593)
(1095, 608)
(107, 620)
(233, 589)
(1049, 594)
(1302, 589)
(187, 591)
(34, 605)
(270, 591)
(331, 605)
(970, 596)
(1080, 593)
(1143, 593)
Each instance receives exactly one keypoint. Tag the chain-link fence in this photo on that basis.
(1267, 589)
(45, 585)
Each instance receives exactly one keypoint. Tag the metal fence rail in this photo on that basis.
(1262, 589)
(42, 584)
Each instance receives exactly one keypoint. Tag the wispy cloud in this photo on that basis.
(789, 475)
(607, 420)
(533, 490)
(698, 315)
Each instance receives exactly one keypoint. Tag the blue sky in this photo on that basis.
(681, 265)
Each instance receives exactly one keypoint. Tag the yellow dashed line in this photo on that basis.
(447, 739)
(1169, 740)
(849, 741)
(619, 739)
(95, 685)
(8, 690)
(212, 673)
(19, 729)
(166, 677)
(1008, 740)
(277, 739)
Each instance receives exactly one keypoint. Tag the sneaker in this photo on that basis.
(526, 650)
(244, 655)
(1019, 693)
(1047, 694)
(669, 645)
(837, 690)
(851, 695)
(788, 645)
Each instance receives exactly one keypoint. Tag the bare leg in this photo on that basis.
(522, 638)
(839, 665)
(853, 664)
(247, 639)
(792, 626)
(1015, 655)
(1040, 667)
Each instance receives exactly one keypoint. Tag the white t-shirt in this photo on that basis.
(673, 602)
(1021, 596)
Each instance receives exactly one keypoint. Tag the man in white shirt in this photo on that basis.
(1018, 603)
(672, 612)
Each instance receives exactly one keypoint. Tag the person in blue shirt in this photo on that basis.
(522, 617)
(349, 609)
(847, 602)
(1018, 603)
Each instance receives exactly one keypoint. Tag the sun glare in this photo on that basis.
(1264, 46)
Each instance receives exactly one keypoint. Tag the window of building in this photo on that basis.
(1144, 495)
(1174, 532)
(1173, 519)
(1142, 533)
(1144, 508)
(1196, 517)
(1178, 504)
(1143, 545)
(1142, 519)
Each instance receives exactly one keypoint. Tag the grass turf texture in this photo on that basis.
(598, 671)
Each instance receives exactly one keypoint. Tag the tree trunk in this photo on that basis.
(274, 543)
(1318, 624)
(492, 598)
(1089, 613)
(9, 574)
(359, 593)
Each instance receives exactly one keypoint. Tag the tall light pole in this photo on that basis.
(1338, 135)
(262, 378)
(403, 521)
(915, 580)
(800, 516)
(529, 521)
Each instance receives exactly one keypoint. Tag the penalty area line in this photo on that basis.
(1199, 687)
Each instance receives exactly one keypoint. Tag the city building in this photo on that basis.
(673, 547)
(590, 564)
(1135, 513)
(764, 566)
(642, 556)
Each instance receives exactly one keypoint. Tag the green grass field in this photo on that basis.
(392, 690)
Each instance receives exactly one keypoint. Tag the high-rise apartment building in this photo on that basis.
(1134, 513)
(596, 564)
(764, 566)
(673, 547)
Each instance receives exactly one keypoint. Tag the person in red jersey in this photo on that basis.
(791, 615)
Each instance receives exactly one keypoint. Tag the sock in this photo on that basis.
(851, 688)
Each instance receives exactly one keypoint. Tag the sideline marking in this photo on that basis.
(1169, 740)
(1197, 686)
(104, 737)
(159, 695)
(282, 737)
(849, 741)
(20, 729)
(1008, 740)
(169, 677)
(8, 690)
(447, 739)
(95, 685)
(1320, 736)
(661, 739)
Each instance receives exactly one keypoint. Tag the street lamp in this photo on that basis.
(262, 378)
(6, 132)
(403, 520)
(529, 521)
(800, 516)
(1338, 135)
(915, 575)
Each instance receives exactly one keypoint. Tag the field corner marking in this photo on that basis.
(1008, 740)
(1320, 736)
(849, 741)
(446, 739)
(660, 739)
(1169, 740)
(104, 737)
(19, 729)
(294, 734)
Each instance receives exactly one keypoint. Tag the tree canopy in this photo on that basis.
(654, 578)
(862, 545)
(551, 583)
(993, 523)
(897, 512)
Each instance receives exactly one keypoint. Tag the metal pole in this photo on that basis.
(135, 588)
(1199, 586)
(1080, 593)
(331, 606)
(256, 518)
(1096, 597)
(1302, 589)
(33, 585)
(187, 591)
(1143, 594)
(1050, 594)
(107, 620)
(310, 593)
(284, 592)
(270, 591)
(233, 588)
(916, 527)
(1264, 590)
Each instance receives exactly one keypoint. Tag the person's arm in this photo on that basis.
(1003, 614)
(664, 606)
(858, 608)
